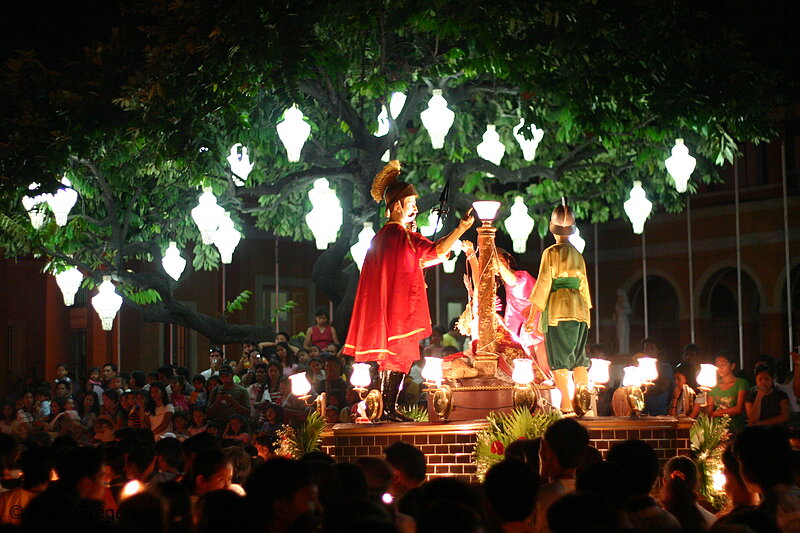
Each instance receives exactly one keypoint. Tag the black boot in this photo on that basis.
(391, 385)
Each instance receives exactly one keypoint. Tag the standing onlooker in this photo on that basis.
(228, 399)
(322, 333)
(215, 359)
(409, 466)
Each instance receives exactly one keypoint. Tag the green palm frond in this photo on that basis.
(706, 438)
(417, 413)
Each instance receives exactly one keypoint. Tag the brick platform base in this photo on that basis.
(449, 446)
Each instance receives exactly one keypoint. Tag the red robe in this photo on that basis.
(390, 313)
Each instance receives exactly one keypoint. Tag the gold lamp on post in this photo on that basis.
(361, 380)
(632, 381)
(525, 391)
(585, 399)
(433, 375)
(486, 358)
(301, 388)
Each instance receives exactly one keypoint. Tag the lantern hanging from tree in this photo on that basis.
(172, 261)
(240, 164)
(107, 303)
(519, 225)
(680, 165)
(360, 248)
(638, 207)
(207, 215)
(528, 146)
(325, 218)
(577, 241)
(491, 149)
(69, 281)
(35, 206)
(437, 119)
(62, 201)
(293, 132)
(226, 238)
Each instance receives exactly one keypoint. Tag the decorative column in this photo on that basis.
(486, 356)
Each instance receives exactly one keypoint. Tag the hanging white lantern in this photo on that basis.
(62, 201)
(680, 165)
(396, 104)
(523, 371)
(360, 378)
(207, 215)
(491, 149)
(638, 207)
(383, 122)
(226, 238)
(519, 225)
(300, 384)
(577, 241)
(360, 248)
(449, 265)
(437, 119)
(240, 164)
(107, 303)
(293, 132)
(35, 206)
(325, 218)
(528, 146)
(69, 281)
(172, 261)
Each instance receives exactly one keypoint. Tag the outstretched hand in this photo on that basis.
(467, 220)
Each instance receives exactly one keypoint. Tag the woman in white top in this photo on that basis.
(159, 411)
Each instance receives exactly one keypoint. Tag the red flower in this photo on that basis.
(497, 448)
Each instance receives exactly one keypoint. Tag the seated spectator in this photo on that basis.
(434, 347)
(211, 471)
(9, 416)
(236, 429)
(679, 495)
(36, 463)
(137, 412)
(322, 333)
(765, 460)
(290, 505)
(177, 395)
(333, 384)
(42, 399)
(315, 374)
(110, 406)
(103, 429)
(159, 410)
(408, 465)
(682, 401)
(199, 397)
(285, 356)
(61, 389)
(274, 375)
(511, 489)
(638, 465)
(199, 422)
(562, 450)
(274, 422)
(766, 405)
(728, 397)
(180, 426)
(137, 380)
(62, 376)
(89, 409)
(228, 399)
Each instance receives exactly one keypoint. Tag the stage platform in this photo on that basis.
(448, 446)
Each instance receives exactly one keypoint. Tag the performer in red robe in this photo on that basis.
(390, 313)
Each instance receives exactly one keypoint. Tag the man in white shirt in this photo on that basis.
(215, 358)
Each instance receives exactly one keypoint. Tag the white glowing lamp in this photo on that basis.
(396, 103)
(360, 377)
(718, 480)
(523, 371)
(34, 206)
(207, 215)
(240, 164)
(449, 265)
(430, 228)
(631, 377)
(680, 165)
(226, 238)
(707, 377)
(69, 281)
(172, 261)
(648, 369)
(293, 132)
(519, 225)
(131, 488)
(325, 218)
(599, 371)
(432, 371)
(638, 207)
(491, 149)
(62, 201)
(486, 209)
(359, 249)
(300, 385)
(437, 119)
(555, 397)
(528, 146)
(107, 303)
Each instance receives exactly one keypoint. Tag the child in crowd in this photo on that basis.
(236, 430)
(136, 413)
(179, 400)
(180, 426)
(199, 423)
(42, 402)
(274, 421)
(315, 373)
(199, 396)
(93, 384)
(62, 374)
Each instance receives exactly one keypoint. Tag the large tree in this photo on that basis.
(148, 116)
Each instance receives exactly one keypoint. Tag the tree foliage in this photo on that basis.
(149, 115)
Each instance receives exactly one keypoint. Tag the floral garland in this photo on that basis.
(505, 428)
(706, 439)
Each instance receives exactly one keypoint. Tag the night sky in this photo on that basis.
(55, 29)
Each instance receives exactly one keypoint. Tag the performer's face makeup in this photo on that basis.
(408, 209)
